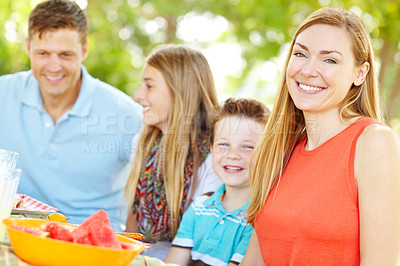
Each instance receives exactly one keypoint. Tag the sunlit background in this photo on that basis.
(245, 41)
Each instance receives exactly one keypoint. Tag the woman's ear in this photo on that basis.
(362, 74)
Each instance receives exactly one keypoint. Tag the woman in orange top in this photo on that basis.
(326, 180)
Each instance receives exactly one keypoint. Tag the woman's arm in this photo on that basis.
(178, 255)
(253, 254)
(377, 169)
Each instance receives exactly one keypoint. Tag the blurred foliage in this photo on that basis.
(123, 33)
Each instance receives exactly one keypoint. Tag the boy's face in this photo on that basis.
(234, 141)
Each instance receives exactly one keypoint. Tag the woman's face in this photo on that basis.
(155, 97)
(322, 68)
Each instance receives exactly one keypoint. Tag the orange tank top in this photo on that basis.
(311, 215)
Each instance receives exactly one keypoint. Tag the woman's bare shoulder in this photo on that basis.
(379, 137)
(377, 152)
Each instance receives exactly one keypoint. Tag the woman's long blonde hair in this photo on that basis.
(194, 100)
(286, 125)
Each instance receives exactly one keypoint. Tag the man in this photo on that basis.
(73, 132)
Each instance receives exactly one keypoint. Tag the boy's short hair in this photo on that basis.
(248, 108)
(58, 14)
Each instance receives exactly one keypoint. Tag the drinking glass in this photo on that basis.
(8, 159)
(9, 180)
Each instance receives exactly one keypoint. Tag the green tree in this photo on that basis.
(13, 31)
(123, 33)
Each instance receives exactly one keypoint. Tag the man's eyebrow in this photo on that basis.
(321, 52)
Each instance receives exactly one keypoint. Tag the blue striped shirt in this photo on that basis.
(215, 236)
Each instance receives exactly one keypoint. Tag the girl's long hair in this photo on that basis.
(286, 125)
(189, 78)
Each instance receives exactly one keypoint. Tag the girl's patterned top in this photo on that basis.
(150, 206)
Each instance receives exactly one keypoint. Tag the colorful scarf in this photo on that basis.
(150, 207)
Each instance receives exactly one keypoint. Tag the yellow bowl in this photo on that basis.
(44, 251)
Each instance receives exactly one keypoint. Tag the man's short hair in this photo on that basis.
(52, 15)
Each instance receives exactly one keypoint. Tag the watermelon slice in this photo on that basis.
(125, 245)
(33, 231)
(58, 232)
(95, 231)
(101, 215)
(103, 235)
(82, 235)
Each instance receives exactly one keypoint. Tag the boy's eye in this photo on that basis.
(248, 147)
(222, 146)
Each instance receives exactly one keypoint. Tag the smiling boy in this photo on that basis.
(213, 230)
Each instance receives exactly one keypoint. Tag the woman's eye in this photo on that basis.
(299, 54)
(330, 61)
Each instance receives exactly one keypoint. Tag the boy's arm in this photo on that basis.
(180, 252)
(178, 255)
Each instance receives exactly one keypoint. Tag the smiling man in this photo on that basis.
(56, 57)
(73, 132)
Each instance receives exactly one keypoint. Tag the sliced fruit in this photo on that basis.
(58, 232)
(33, 231)
(57, 217)
(103, 235)
(82, 235)
(101, 215)
(95, 231)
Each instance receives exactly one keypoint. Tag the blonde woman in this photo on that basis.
(326, 182)
(172, 160)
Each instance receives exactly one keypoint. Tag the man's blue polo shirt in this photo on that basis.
(76, 165)
(215, 236)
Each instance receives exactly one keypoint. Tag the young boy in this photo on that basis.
(213, 231)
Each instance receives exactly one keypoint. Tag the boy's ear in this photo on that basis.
(211, 147)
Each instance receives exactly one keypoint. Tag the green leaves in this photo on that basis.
(123, 33)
